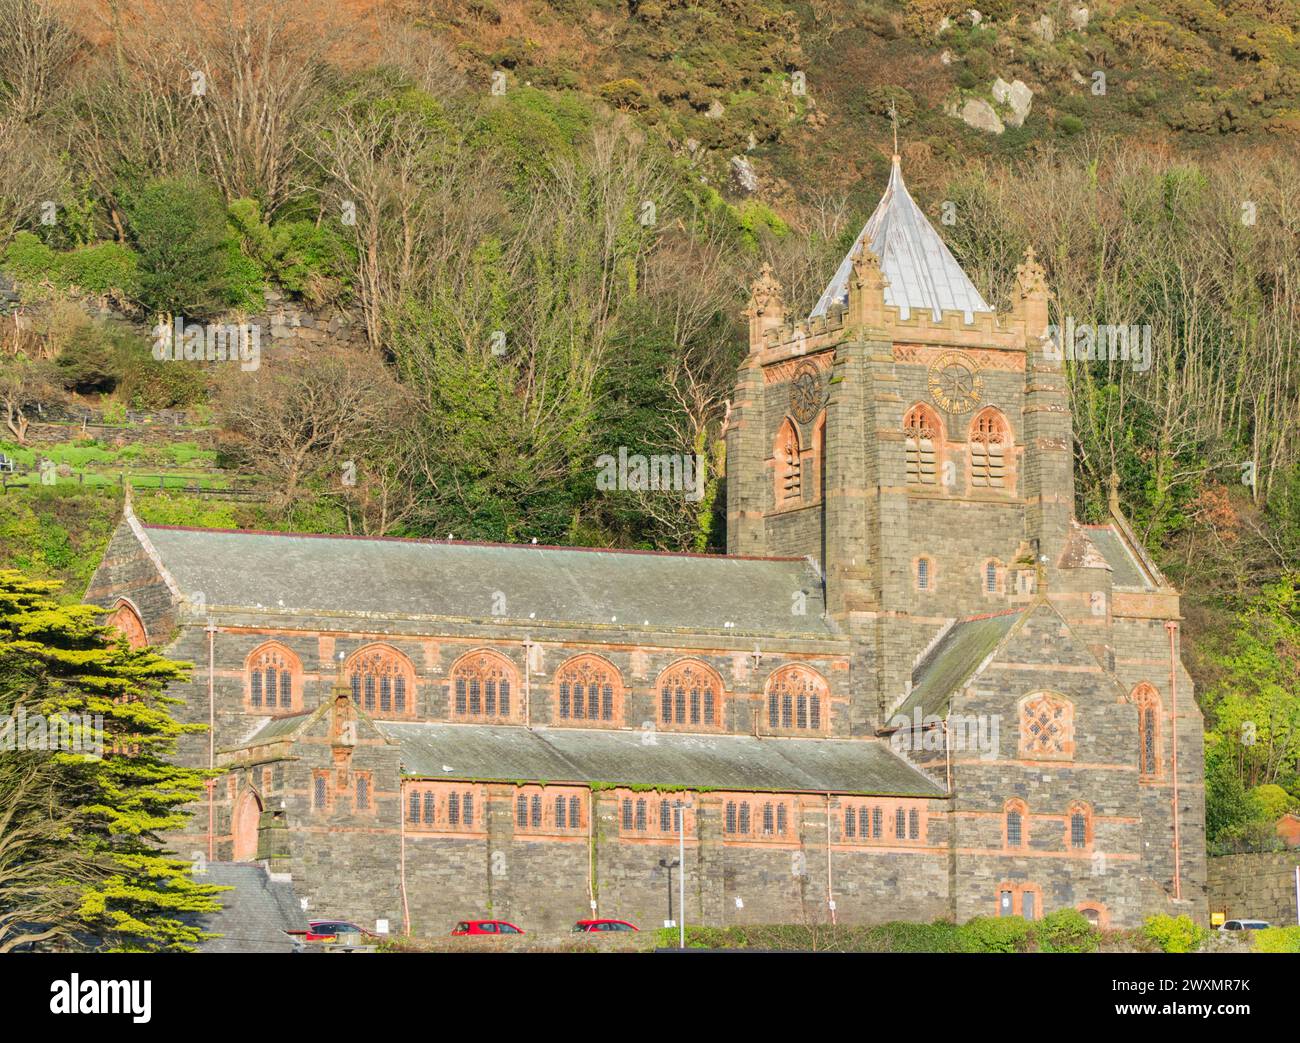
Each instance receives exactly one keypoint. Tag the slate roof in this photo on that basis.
(728, 762)
(254, 915)
(921, 271)
(954, 659)
(1125, 568)
(390, 577)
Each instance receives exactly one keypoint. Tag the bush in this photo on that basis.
(308, 260)
(179, 227)
(1278, 939)
(89, 361)
(995, 934)
(101, 269)
(901, 936)
(1174, 933)
(1272, 801)
(27, 258)
(1066, 930)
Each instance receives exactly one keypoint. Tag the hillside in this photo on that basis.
(487, 242)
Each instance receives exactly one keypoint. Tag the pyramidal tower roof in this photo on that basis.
(921, 271)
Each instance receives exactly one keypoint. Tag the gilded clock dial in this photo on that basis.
(806, 393)
(955, 382)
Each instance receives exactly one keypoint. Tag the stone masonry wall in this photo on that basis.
(1255, 885)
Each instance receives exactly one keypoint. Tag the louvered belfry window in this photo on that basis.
(988, 451)
(921, 433)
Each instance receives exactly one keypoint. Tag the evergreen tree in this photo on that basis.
(98, 816)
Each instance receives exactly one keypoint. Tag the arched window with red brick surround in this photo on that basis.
(126, 620)
(484, 686)
(689, 695)
(1047, 727)
(1147, 700)
(787, 465)
(990, 451)
(798, 699)
(1078, 827)
(588, 690)
(1015, 825)
(382, 681)
(272, 680)
(923, 440)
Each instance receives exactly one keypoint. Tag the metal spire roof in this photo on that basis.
(921, 270)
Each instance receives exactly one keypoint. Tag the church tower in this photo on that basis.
(912, 442)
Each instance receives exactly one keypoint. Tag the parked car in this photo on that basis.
(604, 925)
(329, 930)
(1244, 925)
(486, 927)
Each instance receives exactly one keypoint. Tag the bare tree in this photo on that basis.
(37, 50)
(298, 422)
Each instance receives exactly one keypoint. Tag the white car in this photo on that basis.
(1244, 925)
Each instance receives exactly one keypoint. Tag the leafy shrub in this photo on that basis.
(1174, 933)
(995, 934)
(626, 93)
(1272, 801)
(146, 383)
(901, 936)
(28, 258)
(179, 227)
(89, 361)
(308, 260)
(1278, 939)
(1066, 930)
(101, 269)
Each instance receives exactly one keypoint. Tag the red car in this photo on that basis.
(486, 927)
(604, 925)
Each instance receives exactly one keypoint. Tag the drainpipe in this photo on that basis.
(528, 688)
(830, 883)
(401, 866)
(1172, 627)
(591, 850)
(212, 740)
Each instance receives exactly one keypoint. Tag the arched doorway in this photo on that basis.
(247, 816)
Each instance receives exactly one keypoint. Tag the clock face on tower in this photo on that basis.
(955, 382)
(806, 395)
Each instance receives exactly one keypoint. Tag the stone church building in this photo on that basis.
(914, 687)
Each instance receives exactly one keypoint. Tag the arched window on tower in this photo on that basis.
(787, 463)
(1147, 700)
(819, 458)
(989, 448)
(382, 681)
(923, 434)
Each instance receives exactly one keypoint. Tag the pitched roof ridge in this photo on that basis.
(429, 541)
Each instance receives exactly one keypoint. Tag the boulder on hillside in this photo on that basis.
(1016, 96)
(978, 113)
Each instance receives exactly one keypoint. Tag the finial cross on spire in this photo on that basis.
(893, 119)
